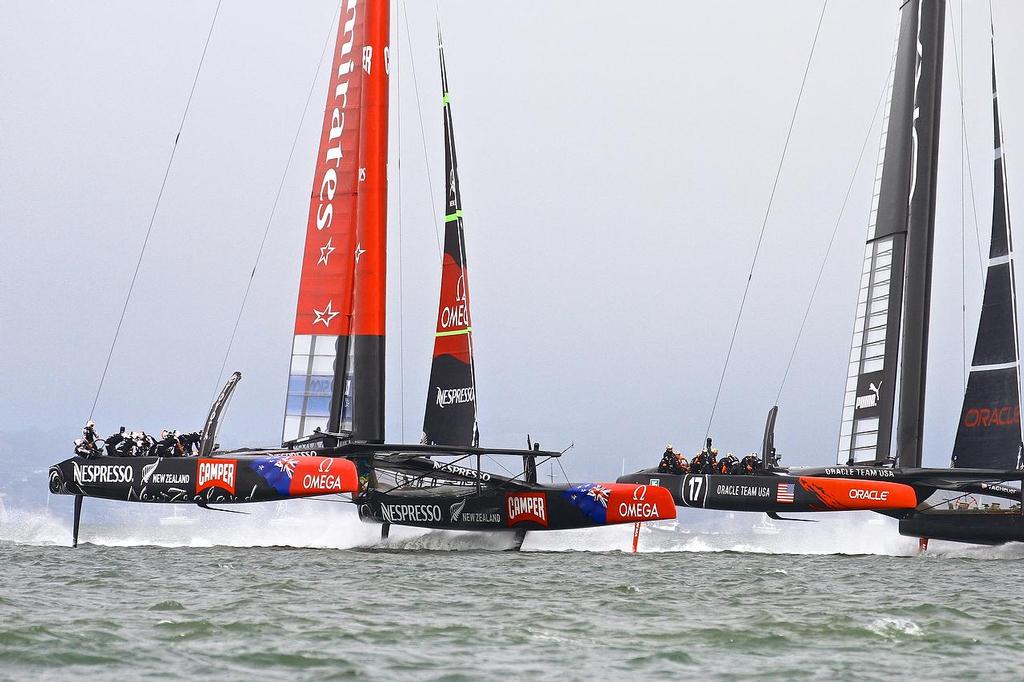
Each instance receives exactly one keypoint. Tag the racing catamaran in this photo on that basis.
(333, 431)
(880, 447)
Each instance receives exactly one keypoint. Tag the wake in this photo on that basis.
(322, 524)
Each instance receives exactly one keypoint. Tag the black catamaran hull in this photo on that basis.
(534, 508)
(979, 527)
(780, 492)
(895, 492)
(223, 479)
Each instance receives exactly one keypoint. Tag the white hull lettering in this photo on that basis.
(419, 513)
(638, 510)
(743, 490)
(321, 482)
(92, 474)
(861, 494)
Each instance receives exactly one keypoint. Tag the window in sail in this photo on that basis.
(310, 385)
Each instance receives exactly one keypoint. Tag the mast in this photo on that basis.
(898, 250)
(451, 413)
(989, 433)
(921, 233)
(338, 343)
(368, 318)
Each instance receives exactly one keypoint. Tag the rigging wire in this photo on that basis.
(156, 208)
(967, 146)
(423, 134)
(835, 232)
(764, 222)
(963, 218)
(277, 197)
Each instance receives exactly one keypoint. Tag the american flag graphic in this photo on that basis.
(785, 493)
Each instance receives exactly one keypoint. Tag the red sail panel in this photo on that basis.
(325, 287)
(453, 322)
(371, 230)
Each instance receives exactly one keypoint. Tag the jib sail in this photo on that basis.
(451, 413)
(897, 258)
(336, 380)
(989, 434)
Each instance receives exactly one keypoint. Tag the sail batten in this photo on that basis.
(450, 417)
(989, 432)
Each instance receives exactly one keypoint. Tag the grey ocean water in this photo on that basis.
(205, 597)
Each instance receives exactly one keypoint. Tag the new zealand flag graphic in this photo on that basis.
(592, 500)
(276, 471)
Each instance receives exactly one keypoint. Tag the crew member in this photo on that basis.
(667, 460)
(167, 446)
(83, 448)
(118, 444)
(750, 464)
(680, 465)
(728, 465)
(711, 465)
(699, 462)
(86, 445)
(143, 444)
(188, 442)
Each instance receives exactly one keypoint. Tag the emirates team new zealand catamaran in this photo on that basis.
(333, 436)
(880, 456)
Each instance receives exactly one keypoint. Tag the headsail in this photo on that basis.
(451, 413)
(899, 245)
(989, 433)
(338, 345)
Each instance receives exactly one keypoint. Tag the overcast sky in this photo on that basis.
(616, 162)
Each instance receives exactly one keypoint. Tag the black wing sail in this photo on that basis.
(989, 434)
(899, 243)
(451, 413)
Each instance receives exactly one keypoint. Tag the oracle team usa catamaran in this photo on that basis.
(882, 429)
(333, 434)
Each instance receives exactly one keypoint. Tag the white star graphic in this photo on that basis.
(359, 252)
(325, 252)
(325, 315)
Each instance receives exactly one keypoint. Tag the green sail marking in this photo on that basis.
(453, 216)
(456, 332)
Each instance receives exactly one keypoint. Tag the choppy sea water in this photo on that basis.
(313, 594)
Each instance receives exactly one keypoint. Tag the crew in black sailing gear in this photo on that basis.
(143, 444)
(668, 460)
(118, 444)
(728, 465)
(188, 442)
(750, 464)
(167, 446)
(713, 460)
(680, 465)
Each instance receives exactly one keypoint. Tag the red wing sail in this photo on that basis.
(341, 288)
(451, 414)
